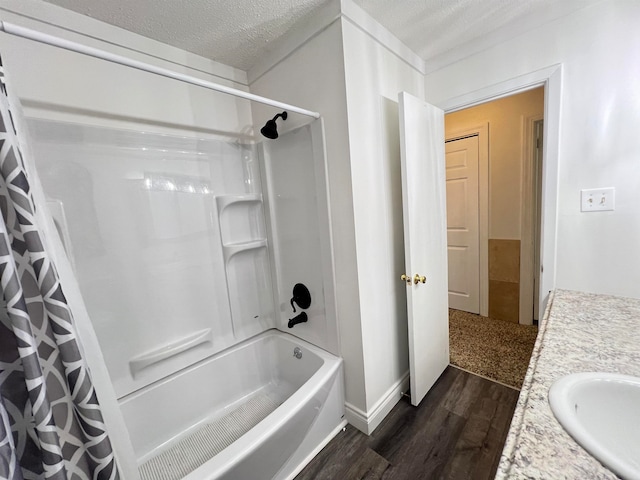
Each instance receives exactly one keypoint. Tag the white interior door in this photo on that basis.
(425, 241)
(463, 235)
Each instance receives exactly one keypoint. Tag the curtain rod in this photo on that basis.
(128, 62)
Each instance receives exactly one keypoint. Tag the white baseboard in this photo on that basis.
(367, 422)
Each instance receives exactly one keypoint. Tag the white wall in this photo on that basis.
(374, 77)
(312, 76)
(600, 114)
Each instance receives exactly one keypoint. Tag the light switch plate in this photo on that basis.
(597, 199)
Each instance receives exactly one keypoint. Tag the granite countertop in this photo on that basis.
(580, 332)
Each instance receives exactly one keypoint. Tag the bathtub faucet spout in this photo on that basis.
(298, 319)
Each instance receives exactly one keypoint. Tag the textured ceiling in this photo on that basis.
(238, 32)
(234, 32)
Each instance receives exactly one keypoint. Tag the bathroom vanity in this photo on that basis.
(580, 332)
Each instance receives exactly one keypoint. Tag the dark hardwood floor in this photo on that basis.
(457, 432)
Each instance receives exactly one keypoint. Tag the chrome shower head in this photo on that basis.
(270, 129)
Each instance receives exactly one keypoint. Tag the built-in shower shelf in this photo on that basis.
(136, 364)
(232, 249)
(224, 201)
(240, 217)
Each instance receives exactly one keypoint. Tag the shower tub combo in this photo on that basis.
(186, 252)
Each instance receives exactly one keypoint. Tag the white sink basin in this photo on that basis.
(601, 411)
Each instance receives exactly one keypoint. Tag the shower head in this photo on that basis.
(270, 129)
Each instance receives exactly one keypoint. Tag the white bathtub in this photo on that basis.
(167, 420)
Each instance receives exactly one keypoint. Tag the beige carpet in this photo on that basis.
(495, 349)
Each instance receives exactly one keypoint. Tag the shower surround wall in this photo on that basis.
(294, 174)
(168, 241)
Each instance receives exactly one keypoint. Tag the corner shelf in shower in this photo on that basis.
(225, 201)
(139, 363)
(232, 249)
(240, 219)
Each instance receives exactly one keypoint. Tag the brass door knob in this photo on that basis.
(405, 278)
(419, 279)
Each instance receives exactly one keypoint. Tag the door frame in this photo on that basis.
(482, 131)
(528, 219)
(551, 78)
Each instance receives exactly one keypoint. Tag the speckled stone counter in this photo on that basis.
(580, 332)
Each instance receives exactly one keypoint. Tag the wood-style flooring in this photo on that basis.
(457, 432)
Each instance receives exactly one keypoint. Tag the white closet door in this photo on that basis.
(463, 234)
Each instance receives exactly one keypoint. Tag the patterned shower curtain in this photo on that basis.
(51, 426)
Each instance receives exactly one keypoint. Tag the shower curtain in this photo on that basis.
(51, 425)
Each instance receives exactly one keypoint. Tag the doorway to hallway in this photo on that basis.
(493, 214)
